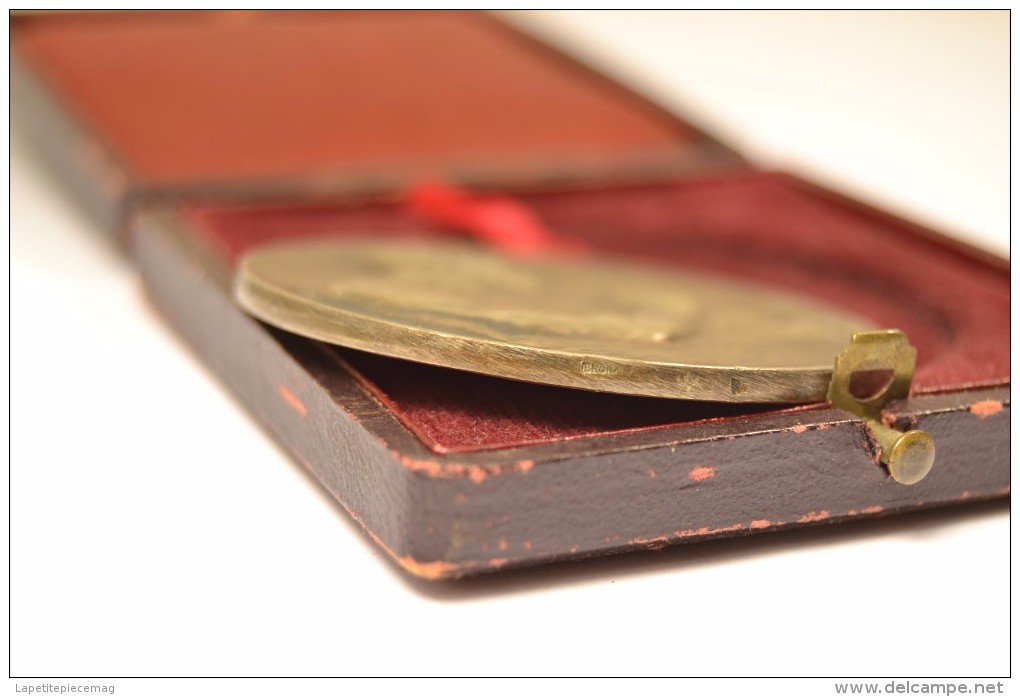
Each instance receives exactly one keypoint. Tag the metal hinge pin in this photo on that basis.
(887, 359)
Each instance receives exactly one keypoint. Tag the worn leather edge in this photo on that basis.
(77, 156)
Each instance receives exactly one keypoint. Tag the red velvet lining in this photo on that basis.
(193, 97)
(764, 228)
(456, 411)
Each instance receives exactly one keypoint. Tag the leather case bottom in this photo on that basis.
(454, 473)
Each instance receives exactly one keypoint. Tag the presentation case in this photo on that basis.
(194, 137)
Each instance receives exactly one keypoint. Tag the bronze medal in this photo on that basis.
(589, 322)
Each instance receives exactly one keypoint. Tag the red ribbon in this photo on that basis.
(500, 221)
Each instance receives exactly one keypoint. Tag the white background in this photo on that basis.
(156, 530)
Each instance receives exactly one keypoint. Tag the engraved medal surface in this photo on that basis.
(586, 322)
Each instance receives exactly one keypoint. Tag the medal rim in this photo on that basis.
(590, 371)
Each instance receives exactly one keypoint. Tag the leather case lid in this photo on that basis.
(319, 102)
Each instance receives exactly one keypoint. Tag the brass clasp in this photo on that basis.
(876, 368)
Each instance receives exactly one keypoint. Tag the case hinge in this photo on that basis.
(876, 368)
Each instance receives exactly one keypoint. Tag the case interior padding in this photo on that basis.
(185, 98)
(761, 228)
